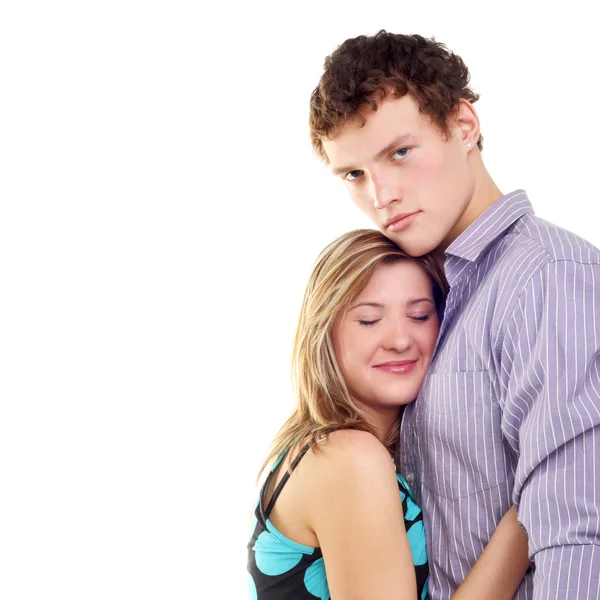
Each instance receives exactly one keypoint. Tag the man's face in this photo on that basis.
(414, 182)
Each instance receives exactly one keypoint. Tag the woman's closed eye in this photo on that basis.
(368, 322)
(421, 318)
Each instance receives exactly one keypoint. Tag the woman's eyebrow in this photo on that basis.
(417, 300)
(411, 302)
(374, 304)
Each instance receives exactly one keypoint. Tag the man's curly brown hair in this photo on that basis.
(364, 70)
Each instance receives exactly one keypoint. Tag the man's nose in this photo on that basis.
(384, 191)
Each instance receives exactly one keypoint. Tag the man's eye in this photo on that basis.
(401, 153)
(352, 175)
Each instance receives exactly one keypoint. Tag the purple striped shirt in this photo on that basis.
(510, 410)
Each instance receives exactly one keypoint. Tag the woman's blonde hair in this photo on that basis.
(323, 401)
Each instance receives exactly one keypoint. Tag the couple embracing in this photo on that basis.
(445, 441)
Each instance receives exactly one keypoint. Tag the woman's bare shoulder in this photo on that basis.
(353, 453)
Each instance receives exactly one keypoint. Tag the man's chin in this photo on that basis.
(412, 247)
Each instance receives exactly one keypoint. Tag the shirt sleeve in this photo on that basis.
(550, 361)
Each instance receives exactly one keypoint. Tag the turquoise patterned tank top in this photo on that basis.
(281, 569)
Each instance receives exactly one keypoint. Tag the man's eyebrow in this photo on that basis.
(397, 141)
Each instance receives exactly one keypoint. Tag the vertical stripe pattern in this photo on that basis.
(510, 409)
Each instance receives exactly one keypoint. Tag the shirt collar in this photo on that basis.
(490, 225)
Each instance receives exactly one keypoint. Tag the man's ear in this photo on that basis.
(467, 121)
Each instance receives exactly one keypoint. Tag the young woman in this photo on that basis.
(338, 521)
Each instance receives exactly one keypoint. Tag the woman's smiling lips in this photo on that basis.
(397, 366)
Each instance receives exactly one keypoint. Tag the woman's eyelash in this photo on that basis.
(420, 318)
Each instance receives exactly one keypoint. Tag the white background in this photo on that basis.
(160, 213)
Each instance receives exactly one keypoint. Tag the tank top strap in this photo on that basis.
(284, 479)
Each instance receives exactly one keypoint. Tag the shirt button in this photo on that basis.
(409, 477)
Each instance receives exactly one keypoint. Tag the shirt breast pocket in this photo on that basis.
(461, 443)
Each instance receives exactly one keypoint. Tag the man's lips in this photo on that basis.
(400, 221)
(397, 366)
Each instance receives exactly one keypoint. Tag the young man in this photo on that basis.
(510, 410)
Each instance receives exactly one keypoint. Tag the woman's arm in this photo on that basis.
(499, 570)
(356, 514)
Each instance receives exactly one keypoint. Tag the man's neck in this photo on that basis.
(485, 193)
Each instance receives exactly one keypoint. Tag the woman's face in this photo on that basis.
(384, 342)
